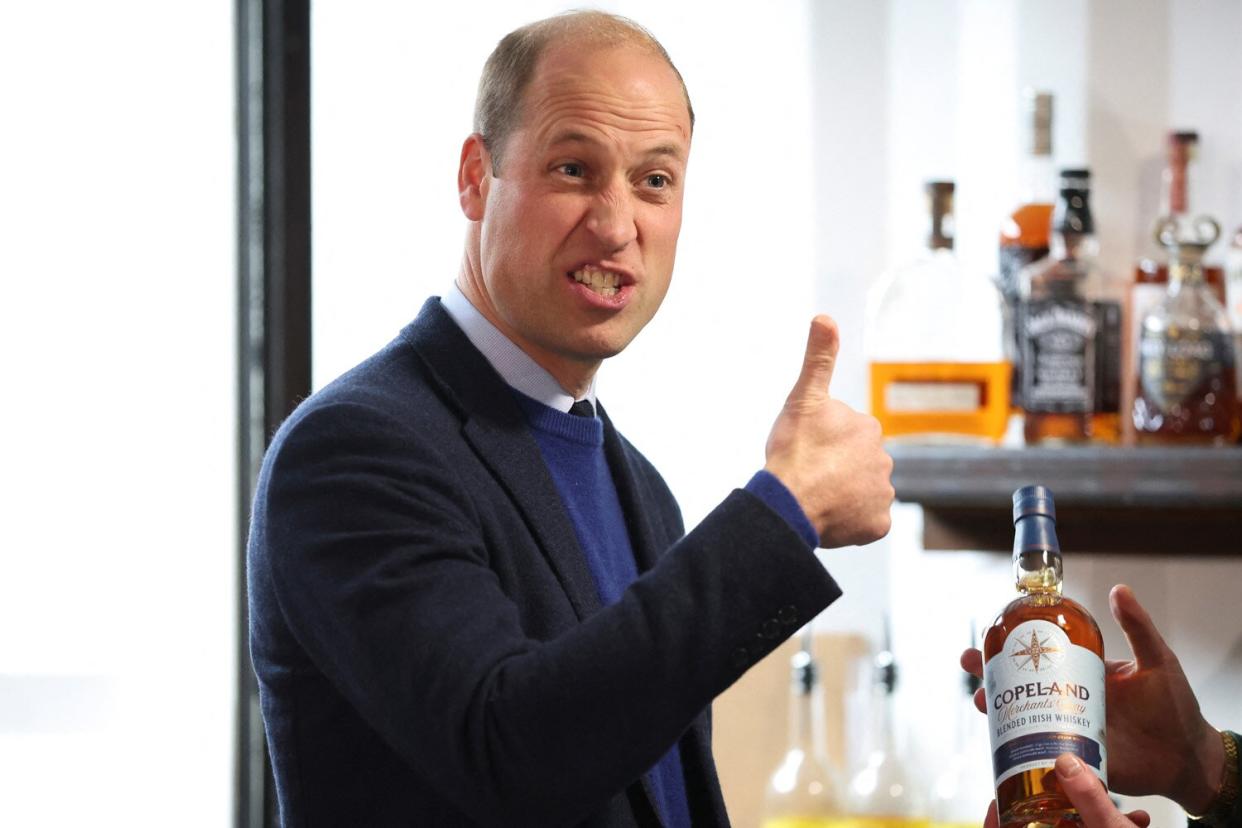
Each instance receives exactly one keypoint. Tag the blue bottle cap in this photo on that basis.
(1033, 500)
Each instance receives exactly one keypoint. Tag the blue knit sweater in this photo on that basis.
(573, 448)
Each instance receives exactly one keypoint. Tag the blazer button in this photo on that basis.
(771, 629)
(788, 615)
(741, 657)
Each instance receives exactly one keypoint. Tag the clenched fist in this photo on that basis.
(830, 456)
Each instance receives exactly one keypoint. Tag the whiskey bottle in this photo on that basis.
(963, 788)
(1178, 181)
(1151, 275)
(934, 342)
(1043, 675)
(1069, 328)
(804, 792)
(1025, 234)
(1187, 384)
(886, 792)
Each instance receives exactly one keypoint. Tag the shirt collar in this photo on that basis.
(512, 363)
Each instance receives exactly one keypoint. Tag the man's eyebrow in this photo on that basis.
(572, 137)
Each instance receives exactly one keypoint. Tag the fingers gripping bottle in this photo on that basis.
(1043, 676)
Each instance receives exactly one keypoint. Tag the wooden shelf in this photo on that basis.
(1109, 499)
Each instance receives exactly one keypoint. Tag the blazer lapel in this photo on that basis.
(497, 430)
(630, 492)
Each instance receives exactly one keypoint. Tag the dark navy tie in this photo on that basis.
(582, 408)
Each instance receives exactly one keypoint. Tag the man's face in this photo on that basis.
(580, 218)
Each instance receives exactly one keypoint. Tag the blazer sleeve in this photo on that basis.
(380, 568)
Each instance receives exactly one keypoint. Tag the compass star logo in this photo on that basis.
(1035, 651)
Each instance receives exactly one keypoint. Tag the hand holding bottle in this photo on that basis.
(1158, 741)
(1089, 797)
(829, 456)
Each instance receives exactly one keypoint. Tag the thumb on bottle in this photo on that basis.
(1088, 795)
(822, 344)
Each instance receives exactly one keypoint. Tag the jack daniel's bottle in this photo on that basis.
(1069, 330)
(1043, 675)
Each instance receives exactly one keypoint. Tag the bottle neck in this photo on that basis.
(1066, 245)
(1038, 571)
(1178, 180)
(940, 215)
(884, 732)
(806, 719)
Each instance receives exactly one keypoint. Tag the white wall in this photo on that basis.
(118, 548)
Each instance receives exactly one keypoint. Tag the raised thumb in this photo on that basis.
(822, 344)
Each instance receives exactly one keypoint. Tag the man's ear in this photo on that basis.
(473, 175)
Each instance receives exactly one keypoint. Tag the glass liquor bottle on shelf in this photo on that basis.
(885, 792)
(1025, 233)
(934, 343)
(804, 792)
(1187, 384)
(1043, 677)
(1178, 181)
(1069, 330)
(961, 792)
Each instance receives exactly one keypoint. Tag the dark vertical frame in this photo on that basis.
(274, 302)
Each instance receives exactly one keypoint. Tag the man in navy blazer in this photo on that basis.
(472, 601)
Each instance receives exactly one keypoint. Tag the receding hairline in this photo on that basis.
(527, 47)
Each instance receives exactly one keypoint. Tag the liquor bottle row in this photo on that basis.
(1043, 668)
(883, 789)
(1078, 355)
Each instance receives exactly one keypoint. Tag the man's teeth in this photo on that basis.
(603, 282)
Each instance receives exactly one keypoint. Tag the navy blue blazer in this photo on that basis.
(428, 640)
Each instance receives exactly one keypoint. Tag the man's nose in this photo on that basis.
(611, 219)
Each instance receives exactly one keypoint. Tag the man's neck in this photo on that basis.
(574, 376)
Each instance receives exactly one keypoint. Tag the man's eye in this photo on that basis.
(572, 170)
(657, 181)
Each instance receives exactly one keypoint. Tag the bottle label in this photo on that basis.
(902, 397)
(1058, 356)
(1045, 697)
(1176, 366)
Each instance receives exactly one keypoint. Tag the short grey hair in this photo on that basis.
(511, 65)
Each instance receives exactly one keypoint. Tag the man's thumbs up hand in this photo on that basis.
(829, 456)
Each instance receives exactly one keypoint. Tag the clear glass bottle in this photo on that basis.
(886, 792)
(1187, 383)
(1043, 676)
(1071, 346)
(1179, 181)
(1233, 304)
(934, 343)
(1025, 234)
(962, 791)
(804, 792)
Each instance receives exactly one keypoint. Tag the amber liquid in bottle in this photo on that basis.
(1033, 796)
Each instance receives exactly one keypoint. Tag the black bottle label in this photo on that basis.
(1058, 356)
(1180, 364)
